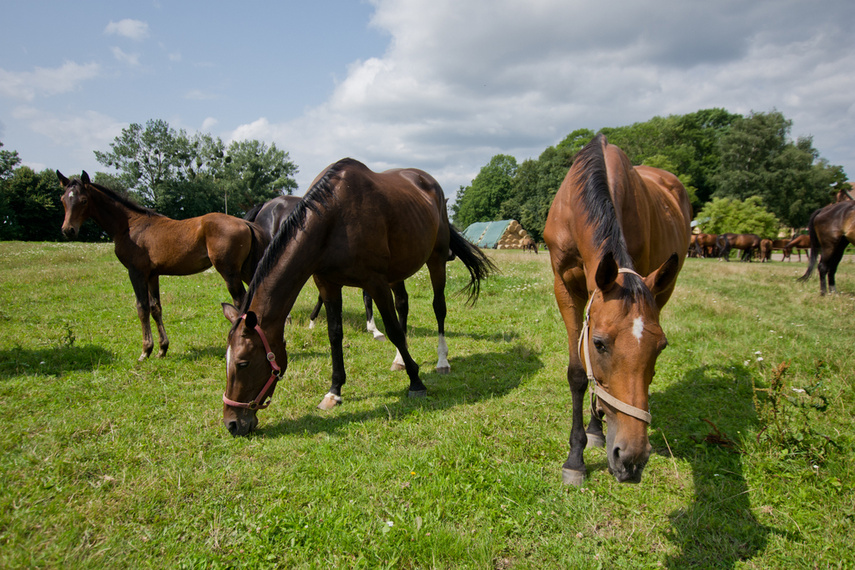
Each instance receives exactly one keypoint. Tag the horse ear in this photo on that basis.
(251, 320)
(85, 177)
(607, 272)
(62, 179)
(663, 278)
(231, 312)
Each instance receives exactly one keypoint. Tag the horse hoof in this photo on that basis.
(329, 402)
(417, 394)
(595, 440)
(443, 369)
(379, 336)
(396, 367)
(142, 357)
(311, 324)
(573, 477)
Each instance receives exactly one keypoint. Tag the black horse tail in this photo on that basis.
(814, 248)
(259, 243)
(253, 212)
(723, 247)
(479, 265)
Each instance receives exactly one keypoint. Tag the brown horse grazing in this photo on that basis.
(748, 243)
(528, 244)
(831, 229)
(617, 238)
(354, 228)
(706, 243)
(270, 216)
(798, 243)
(765, 250)
(781, 244)
(150, 245)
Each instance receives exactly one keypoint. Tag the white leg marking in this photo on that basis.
(638, 328)
(372, 328)
(442, 364)
(311, 324)
(398, 363)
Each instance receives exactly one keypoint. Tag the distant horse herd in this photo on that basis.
(617, 237)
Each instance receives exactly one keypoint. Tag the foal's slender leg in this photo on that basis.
(157, 313)
(382, 296)
(369, 317)
(402, 307)
(140, 285)
(335, 331)
(437, 280)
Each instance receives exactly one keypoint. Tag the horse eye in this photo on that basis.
(241, 365)
(600, 346)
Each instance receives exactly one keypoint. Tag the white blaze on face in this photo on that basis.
(228, 357)
(638, 328)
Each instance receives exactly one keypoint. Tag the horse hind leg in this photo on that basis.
(157, 314)
(402, 308)
(369, 317)
(382, 296)
(437, 278)
(335, 331)
(143, 304)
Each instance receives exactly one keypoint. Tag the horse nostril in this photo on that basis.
(232, 427)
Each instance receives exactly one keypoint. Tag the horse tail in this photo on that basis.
(814, 248)
(478, 264)
(253, 212)
(257, 246)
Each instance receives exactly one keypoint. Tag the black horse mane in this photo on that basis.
(317, 197)
(123, 200)
(600, 213)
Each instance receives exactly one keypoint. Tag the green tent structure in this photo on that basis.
(502, 234)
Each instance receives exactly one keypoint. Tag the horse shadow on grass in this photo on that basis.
(701, 420)
(55, 361)
(469, 381)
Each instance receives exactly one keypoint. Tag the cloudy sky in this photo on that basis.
(442, 85)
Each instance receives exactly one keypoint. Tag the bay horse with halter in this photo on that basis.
(355, 228)
(831, 229)
(617, 238)
(150, 244)
(270, 216)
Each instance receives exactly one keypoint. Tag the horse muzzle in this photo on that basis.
(627, 458)
(70, 232)
(240, 424)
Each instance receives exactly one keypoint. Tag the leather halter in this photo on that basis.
(275, 374)
(598, 391)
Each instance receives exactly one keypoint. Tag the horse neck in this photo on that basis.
(274, 295)
(111, 215)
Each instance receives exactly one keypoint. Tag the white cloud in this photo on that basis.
(127, 28)
(27, 85)
(131, 59)
(464, 80)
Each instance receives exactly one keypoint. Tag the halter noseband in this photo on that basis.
(275, 374)
(598, 391)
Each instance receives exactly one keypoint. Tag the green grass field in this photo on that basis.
(107, 462)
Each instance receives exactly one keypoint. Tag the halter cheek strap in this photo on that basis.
(598, 391)
(275, 374)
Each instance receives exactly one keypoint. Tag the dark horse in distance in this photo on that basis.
(353, 228)
(270, 216)
(617, 239)
(831, 229)
(150, 245)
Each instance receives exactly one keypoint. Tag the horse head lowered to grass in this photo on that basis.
(617, 238)
(353, 228)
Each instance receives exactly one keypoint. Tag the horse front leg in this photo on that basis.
(157, 314)
(402, 308)
(140, 285)
(335, 331)
(382, 296)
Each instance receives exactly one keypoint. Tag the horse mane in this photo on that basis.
(317, 197)
(593, 179)
(123, 200)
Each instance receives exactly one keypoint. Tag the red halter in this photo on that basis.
(275, 374)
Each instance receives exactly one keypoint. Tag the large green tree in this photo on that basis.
(759, 159)
(183, 176)
(32, 209)
(482, 200)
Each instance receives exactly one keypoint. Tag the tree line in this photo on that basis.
(175, 173)
(739, 170)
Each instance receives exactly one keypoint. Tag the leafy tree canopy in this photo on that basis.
(728, 215)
